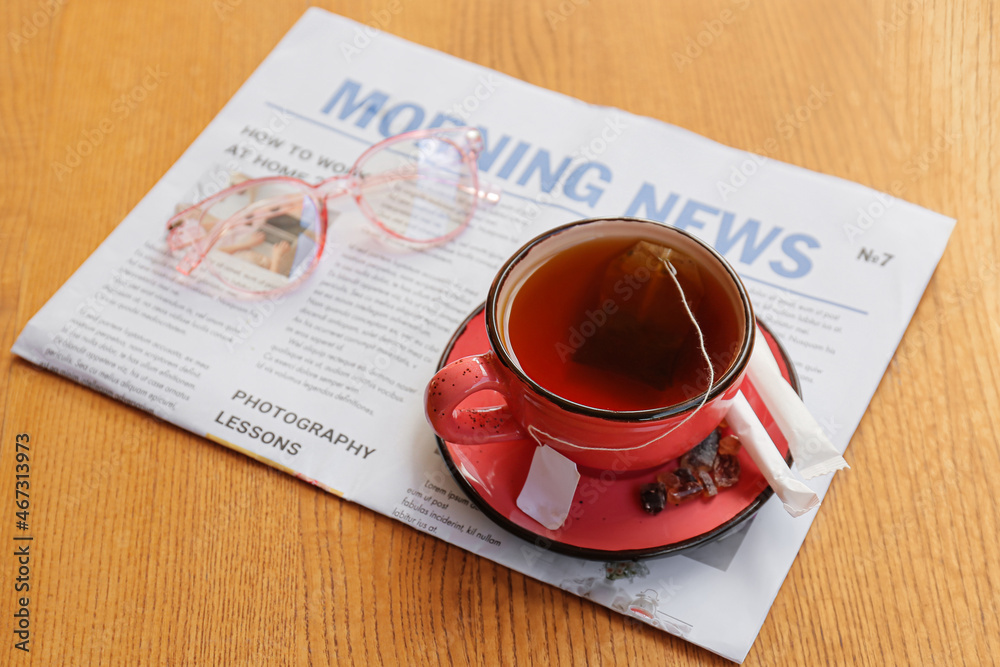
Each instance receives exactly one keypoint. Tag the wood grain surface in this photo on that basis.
(157, 547)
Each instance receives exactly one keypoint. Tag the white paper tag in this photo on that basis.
(548, 492)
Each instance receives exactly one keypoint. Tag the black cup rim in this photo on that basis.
(654, 414)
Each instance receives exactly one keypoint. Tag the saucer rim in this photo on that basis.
(589, 553)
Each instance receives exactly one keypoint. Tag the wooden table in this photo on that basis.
(154, 546)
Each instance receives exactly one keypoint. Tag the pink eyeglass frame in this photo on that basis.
(184, 229)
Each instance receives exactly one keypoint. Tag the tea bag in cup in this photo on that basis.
(647, 323)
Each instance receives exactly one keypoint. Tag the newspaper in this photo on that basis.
(325, 382)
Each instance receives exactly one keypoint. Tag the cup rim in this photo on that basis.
(735, 370)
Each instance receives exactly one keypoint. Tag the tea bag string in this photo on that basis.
(536, 432)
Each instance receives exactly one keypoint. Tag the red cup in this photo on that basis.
(590, 436)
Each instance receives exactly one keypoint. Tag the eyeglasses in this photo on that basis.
(266, 235)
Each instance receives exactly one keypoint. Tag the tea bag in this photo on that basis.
(646, 324)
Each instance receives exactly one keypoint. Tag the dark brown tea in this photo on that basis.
(602, 324)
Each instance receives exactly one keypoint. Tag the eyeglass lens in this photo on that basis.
(420, 190)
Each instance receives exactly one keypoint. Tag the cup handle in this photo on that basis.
(469, 426)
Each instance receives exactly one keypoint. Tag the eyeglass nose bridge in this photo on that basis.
(338, 186)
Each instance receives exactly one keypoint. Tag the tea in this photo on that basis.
(602, 324)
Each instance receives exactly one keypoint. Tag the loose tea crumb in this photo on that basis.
(653, 497)
(708, 467)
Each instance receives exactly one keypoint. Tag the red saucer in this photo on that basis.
(606, 522)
